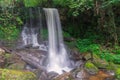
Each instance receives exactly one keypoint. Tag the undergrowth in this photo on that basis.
(89, 44)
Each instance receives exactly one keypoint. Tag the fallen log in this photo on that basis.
(32, 60)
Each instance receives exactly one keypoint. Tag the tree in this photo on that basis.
(106, 22)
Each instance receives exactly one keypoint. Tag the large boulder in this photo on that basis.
(81, 73)
(100, 63)
(97, 61)
(6, 74)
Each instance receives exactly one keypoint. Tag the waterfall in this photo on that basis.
(58, 60)
(32, 28)
(29, 36)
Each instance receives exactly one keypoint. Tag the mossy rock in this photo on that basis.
(117, 73)
(7, 55)
(111, 66)
(17, 66)
(100, 63)
(6, 74)
(91, 68)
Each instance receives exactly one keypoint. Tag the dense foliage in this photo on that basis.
(9, 21)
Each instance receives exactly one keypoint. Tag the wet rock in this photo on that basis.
(78, 64)
(29, 67)
(91, 68)
(35, 47)
(80, 74)
(75, 54)
(43, 76)
(6, 74)
(37, 72)
(34, 57)
(28, 46)
(52, 75)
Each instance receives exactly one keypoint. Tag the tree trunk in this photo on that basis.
(106, 23)
(110, 21)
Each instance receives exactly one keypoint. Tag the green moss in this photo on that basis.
(117, 72)
(89, 65)
(91, 68)
(17, 66)
(6, 74)
(7, 55)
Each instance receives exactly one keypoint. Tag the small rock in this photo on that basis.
(28, 46)
(75, 55)
(87, 56)
(43, 76)
(78, 63)
(82, 74)
(52, 75)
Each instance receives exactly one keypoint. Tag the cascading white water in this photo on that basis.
(32, 28)
(29, 36)
(58, 60)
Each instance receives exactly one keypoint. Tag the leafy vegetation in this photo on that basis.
(86, 45)
(32, 3)
(9, 33)
(9, 23)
